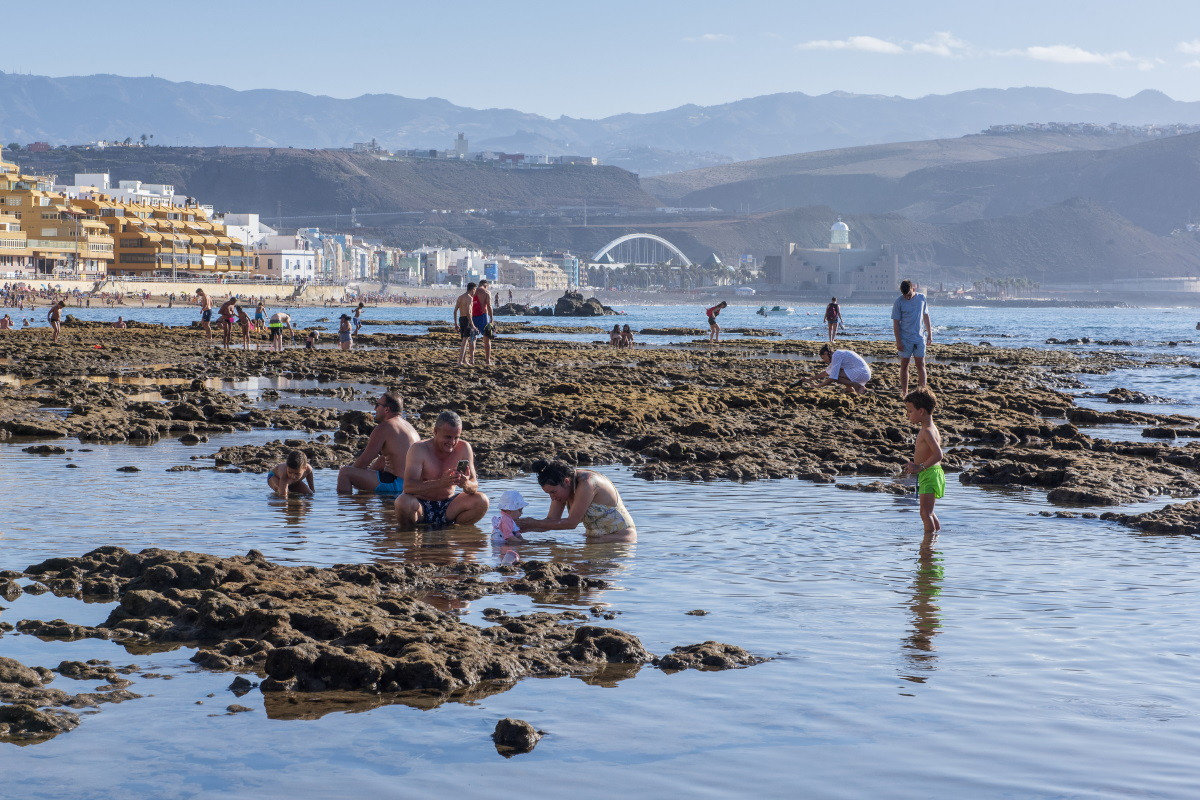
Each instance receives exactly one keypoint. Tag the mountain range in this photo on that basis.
(75, 110)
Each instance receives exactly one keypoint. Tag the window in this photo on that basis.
(49, 232)
(270, 263)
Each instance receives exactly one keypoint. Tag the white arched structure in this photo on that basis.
(630, 237)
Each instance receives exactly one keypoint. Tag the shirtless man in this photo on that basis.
(226, 313)
(205, 312)
(481, 316)
(466, 327)
(55, 317)
(436, 469)
(279, 321)
(380, 466)
(6, 323)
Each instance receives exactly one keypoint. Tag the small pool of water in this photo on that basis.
(1018, 656)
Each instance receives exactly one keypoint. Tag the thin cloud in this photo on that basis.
(709, 37)
(1192, 48)
(942, 44)
(866, 44)
(1193, 65)
(1070, 54)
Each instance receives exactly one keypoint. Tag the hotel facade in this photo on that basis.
(92, 231)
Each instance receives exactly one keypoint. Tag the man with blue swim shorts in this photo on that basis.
(909, 315)
(380, 466)
(481, 318)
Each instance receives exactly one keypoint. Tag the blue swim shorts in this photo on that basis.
(480, 322)
(389, 483)
(912, 349)
(206, 315)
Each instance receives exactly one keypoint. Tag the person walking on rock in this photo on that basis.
(833, 318)
(909, 315)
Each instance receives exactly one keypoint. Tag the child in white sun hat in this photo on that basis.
(504, 524)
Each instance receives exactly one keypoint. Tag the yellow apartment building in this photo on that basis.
(44, 233)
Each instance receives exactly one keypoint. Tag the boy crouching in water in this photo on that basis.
(927, 458)
(291, 475)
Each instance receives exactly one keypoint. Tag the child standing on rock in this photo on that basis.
(927, 456)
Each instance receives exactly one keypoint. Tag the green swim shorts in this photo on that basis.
(932, 480)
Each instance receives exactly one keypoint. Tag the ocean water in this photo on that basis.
(1018, 657)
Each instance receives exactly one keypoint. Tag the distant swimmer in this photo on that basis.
(380, 466)
(120, 323)
(6, 323)
(292, 476)
(205, 312)
(714, 329)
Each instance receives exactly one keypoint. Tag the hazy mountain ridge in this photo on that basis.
(81, 109)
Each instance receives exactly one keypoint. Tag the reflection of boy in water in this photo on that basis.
(291, 476)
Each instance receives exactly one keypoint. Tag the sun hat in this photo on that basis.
(511, 501)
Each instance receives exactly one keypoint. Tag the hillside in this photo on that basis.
(307, 182)
(885, 162)
(79, 109)
(1155, 184)
(1071, 242)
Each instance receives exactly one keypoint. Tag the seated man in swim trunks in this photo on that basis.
(380, 466)
(437, 468)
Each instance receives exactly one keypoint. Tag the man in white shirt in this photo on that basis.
(846, 368)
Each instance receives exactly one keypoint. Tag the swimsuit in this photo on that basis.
(481, 323)
(389, 483)
(602, 520)
(435, 511)
(504, 528)
(206, 315)
(466, 328)
(932, 480)
(343, 336)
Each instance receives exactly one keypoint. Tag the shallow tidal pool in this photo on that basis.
(1019, 657)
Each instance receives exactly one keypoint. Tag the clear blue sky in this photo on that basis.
(597, 59)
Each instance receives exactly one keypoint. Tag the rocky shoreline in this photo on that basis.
(692, 412)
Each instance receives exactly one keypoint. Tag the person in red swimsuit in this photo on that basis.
(714, 330)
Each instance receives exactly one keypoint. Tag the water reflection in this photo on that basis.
(917, 648)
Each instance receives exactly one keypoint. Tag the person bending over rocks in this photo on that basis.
(294, 475)
(714, 329)
(584, 496)
(846, 368)
(436, 469)
(279, 321)
(380, 466)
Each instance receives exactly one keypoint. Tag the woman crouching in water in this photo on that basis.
(584, 496)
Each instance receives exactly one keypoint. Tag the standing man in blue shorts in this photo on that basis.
(380, 466)
(909, 314)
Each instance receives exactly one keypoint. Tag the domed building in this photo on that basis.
(839, 269)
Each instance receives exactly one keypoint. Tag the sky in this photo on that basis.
(589, 59)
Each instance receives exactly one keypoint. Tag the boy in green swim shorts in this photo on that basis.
(927, 458)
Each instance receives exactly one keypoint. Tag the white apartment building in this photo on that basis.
(289, 258)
